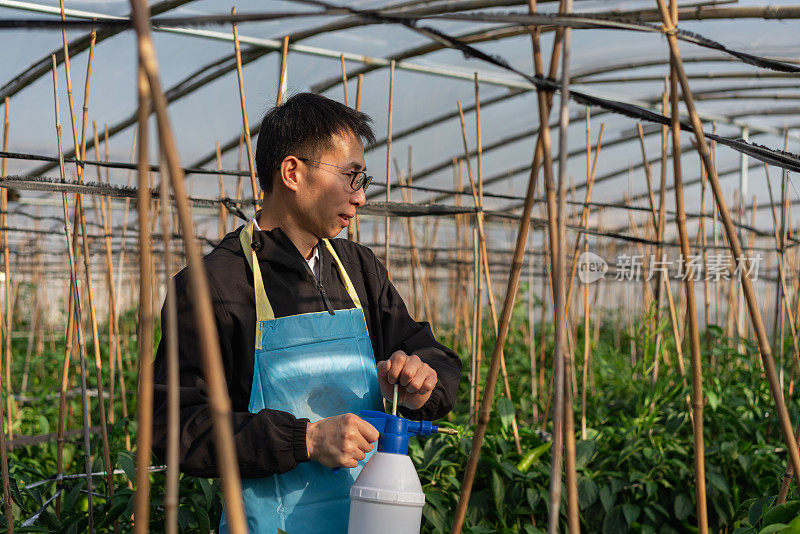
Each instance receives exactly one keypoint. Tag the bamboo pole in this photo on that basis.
(77, 307)
(386, 220)
(243, 102)
(344, 81)
(10, 404)
(484, 255)
(779, 246)
(573, 513)
(532, 346)
(80, 148)
(282, 71)
(171, 500)
(223, 211)
(141, 513)
(3, 450)
(543, 150)
(356, 220)
(586, 352)
(476, 331)
(219, 400)
(10, 408)
(113, 337)
(691, 312)
(736, 249)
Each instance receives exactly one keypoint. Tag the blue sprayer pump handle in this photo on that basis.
(395, 431)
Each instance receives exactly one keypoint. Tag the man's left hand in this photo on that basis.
(416, 378)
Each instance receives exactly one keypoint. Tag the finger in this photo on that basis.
(369, 432)
(415, 385)
(383, 367)
(430, 383)
(397, 362)
(410, 369)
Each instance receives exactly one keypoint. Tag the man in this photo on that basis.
(311, 331)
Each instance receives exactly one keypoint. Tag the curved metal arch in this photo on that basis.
(515, 171)
(43, 66)
(226, 64)
(632, 136)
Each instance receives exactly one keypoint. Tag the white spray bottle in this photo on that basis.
(387, 496)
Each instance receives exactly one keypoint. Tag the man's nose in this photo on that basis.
(358, 198)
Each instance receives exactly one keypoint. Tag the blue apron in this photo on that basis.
(313, 365)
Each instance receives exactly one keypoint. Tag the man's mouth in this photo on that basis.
(344, 219)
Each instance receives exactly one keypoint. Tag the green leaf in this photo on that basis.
(498, 490)
(126, 463)
(531, 456)
(615, 521)
(782, 513)
(683, 507)
(584, 450)
(506, 410)
(631, 512)
(208, 493)
(757, 509)
(607, 498)
(587, 492)
(533, 497)
(718, 481)
(777, 527)
(713, 400)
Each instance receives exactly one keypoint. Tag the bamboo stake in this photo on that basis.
(212, 365)
(573, 517)
(344, 81)
(223, 211)
(476, 334)
(77, 307)
(584, 218)
(386, 220)
(543, 148)
(532, 346)
(79, 220)
(113, 339)
(242, 101)
(779, 245)
(282, 72)
(173, 379)
(3, 450)
(141, 513)
(80, 148)
(10, 407)
(736, 249)
(691, 310)
(586, 352)
(485, 262)
(357, 221)
(10, 404)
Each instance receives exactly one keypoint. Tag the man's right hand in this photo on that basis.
(340, 441)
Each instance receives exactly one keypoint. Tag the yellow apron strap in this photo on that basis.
(346, 279)
(263, 307)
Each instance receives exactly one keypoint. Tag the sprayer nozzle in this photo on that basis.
(451, 431)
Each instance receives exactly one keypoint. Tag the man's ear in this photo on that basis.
(291, 172)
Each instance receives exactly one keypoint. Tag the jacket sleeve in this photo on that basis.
(401, 332)
(267, 442)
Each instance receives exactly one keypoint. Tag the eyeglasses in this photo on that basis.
(359, 179)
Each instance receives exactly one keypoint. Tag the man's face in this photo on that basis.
(326, 202)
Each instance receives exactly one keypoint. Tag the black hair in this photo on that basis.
(304, 126)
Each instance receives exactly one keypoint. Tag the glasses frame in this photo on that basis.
(358, 177)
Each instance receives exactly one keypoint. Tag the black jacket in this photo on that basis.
(273, 441)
